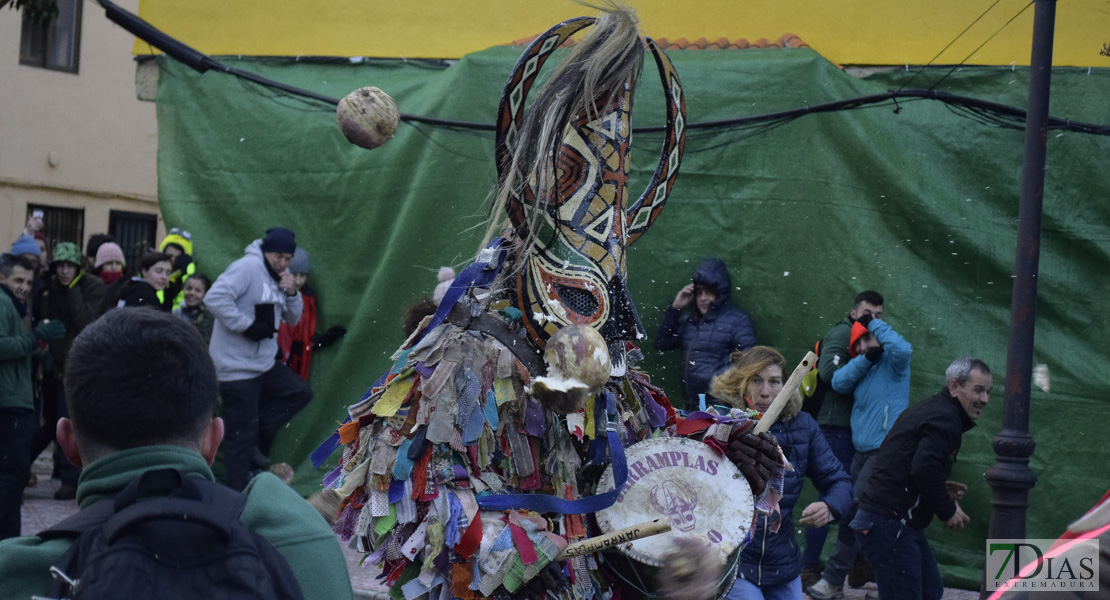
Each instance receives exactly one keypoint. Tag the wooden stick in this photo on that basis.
(768, 419)
(620, 536)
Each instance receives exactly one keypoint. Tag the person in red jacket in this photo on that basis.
(296, 343)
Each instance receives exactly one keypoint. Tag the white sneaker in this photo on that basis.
(871, 595)
(823, 590)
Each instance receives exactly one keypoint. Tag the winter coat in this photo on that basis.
(708, 342)
(76, 305)
(16, 346)
(772, 558)
(200, 317)
(138, 292)
(915, 460)
(246, 283)
(273, 510)
(881, 390)
(836, 408)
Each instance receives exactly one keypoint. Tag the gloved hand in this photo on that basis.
(260, 330)
(755, 456)
(49, 331)
(865, 320)
(874, 354)
(182, 262)
(323, 340)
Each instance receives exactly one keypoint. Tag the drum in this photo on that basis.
(702, 493)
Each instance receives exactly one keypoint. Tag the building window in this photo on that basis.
(52, 42)
(134, 232)
(61, 224)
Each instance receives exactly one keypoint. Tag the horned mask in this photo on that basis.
(563, 168)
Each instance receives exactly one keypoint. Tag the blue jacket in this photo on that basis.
(881, 390)
(773, 558)
(706, 343)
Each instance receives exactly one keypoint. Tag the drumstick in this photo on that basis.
(772, 414)
(620, 536)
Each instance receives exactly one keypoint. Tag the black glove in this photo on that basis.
(49, 331)
(182, 262)
(323, 340)
(755, 456)
(874, 354)
(865, 320)
(263, 326)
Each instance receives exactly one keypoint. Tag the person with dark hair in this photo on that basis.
(75, 298)
(770, 564)
(96, 240)
(909, 483)
(154, 274)
(193, 309)
(709, 333)
(297, 343)
(178, 244)
(142, 396)
(834, 417)
(878, 377)
(260, 395)
(18, 421)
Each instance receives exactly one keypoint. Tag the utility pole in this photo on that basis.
(1010, 478)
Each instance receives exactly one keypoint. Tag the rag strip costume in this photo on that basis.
(454, 477)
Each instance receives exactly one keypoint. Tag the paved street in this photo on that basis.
(40, 511)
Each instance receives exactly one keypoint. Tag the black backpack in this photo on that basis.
(186, 542)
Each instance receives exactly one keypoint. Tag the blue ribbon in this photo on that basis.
(544, 503)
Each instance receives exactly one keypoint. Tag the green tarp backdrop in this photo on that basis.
(919, 203)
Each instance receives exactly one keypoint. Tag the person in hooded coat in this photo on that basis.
(770, 564)
(709, 332)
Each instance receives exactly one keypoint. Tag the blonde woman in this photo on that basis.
(770, 565)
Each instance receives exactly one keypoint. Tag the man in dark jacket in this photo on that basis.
(908, 485)
(709, 333)
(76, 298)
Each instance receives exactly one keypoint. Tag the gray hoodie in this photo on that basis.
(232, 299)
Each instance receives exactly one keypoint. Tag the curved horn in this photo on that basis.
(510, 111)
(643, 212)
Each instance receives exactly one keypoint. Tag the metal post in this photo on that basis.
(1010, 477)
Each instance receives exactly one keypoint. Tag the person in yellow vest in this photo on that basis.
(179, 245)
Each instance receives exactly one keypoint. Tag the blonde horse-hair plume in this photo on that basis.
(596, 69)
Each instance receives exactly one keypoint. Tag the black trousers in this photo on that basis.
(253, 411)
(53, 408)
(16, 429)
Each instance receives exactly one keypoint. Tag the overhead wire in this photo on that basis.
(989, 113)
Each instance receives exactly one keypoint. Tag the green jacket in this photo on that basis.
(836, 410)
(16, 347)
(273, 509)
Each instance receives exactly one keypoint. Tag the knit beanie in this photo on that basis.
(446, 276)
(858, 330)
(66, 252)
(300, 262)
(109, 252)
(26, 245)
(279, 239)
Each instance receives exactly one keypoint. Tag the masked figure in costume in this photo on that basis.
(477, 458)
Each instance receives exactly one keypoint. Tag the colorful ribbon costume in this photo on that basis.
(434, 444)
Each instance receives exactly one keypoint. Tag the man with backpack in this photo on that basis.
(141, 391)
(833, 411)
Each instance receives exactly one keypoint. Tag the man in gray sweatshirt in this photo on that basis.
(260, 395)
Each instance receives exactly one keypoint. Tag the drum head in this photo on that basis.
(701, 492)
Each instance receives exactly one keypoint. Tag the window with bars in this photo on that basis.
(52, 41)
(60, 224)
(134, 232)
